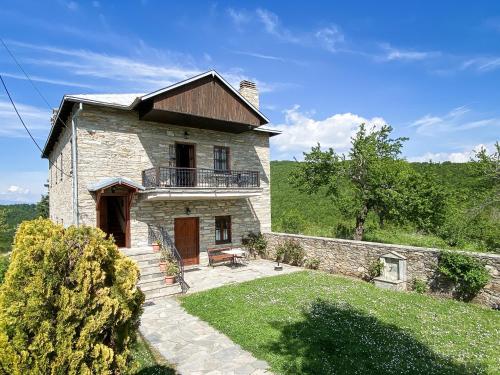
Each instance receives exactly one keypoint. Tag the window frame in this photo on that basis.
(217, 152)
(224, 222)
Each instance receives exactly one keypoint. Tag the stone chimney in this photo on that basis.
(249, 91)
(54, 114)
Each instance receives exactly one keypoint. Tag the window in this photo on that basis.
(221, 158)
(222, 229)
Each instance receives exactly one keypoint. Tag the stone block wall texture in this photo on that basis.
(353, 258)
(60, 179)
(114, 143)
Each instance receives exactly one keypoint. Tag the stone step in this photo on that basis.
(155, 281)
(152, 288)
(151, 274)
(135, 251)
(146, 269)
(176, 289)
(148, 262)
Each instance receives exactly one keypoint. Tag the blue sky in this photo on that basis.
(429, 69)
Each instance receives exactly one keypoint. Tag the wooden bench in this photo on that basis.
(215, 255)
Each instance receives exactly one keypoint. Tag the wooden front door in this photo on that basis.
(186, 232)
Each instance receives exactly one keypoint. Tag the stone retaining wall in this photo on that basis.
(353, 258)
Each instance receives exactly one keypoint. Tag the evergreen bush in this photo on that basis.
(290, 252)
(69, 303)
(255, 244)
(466, 273)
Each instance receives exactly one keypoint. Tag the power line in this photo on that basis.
(29, 79)
(26, 74)
(26, 128)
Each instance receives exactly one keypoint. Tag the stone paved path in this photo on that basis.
(190, 343)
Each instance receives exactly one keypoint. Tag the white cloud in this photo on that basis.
(37, 120)
(51, 81)
(71, 5)
(482, 64)
(21, 187)
(133, 74)
(392, 54)
(273, 26)
(458, 119)
(301, 131)
(239, 17)
(455, 157)
(330, 37)
(17, 189)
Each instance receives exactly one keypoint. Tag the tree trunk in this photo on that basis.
(360, 224)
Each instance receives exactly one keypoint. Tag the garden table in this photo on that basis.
(235, 252)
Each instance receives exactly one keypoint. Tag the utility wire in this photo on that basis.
(25, 127)
(29, 78)
(26, 74)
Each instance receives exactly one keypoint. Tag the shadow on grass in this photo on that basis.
(157, 370)
(337, 339)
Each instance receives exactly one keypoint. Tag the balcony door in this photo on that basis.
(185, 163)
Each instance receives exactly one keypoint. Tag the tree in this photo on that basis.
(69, 303)
(372, 170)
(4, 227)
(42, 207)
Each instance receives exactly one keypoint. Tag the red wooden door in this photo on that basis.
(186, 232)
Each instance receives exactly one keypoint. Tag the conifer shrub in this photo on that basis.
(69, 303)
(290, 252)
(256, 244)
(467, 274)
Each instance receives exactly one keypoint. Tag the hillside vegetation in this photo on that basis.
(318, 215)
(14, 214)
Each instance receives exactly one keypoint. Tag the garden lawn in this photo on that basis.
(314, 323)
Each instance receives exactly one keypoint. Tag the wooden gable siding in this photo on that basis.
(207, 98)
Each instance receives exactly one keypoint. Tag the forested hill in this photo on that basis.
(14, 214)
(297, 212)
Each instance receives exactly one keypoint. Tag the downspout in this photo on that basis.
(76, 214)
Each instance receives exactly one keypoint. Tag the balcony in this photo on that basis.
(173, 183)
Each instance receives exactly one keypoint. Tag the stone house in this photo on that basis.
(192, 158)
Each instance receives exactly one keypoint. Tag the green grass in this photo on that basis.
(314, 323)
(400, 236)
(149, 362)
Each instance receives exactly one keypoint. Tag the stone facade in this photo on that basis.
(115, 143)
(353, 258)
(60, 180)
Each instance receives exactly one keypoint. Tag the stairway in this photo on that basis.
(152, 281)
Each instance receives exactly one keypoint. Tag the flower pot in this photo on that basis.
(163, 266)
(169, 280)
(156, 247)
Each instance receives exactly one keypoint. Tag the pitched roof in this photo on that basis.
(130, 102)
(110, 100)
(112, 181)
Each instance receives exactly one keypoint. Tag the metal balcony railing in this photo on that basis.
(166, 177)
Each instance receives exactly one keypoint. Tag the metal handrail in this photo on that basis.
(163, 177)
(160, 234)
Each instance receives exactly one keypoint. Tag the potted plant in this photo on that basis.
(156, 246)
(165, 258)
(171, 272)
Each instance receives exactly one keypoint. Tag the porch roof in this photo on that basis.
(113, 181)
